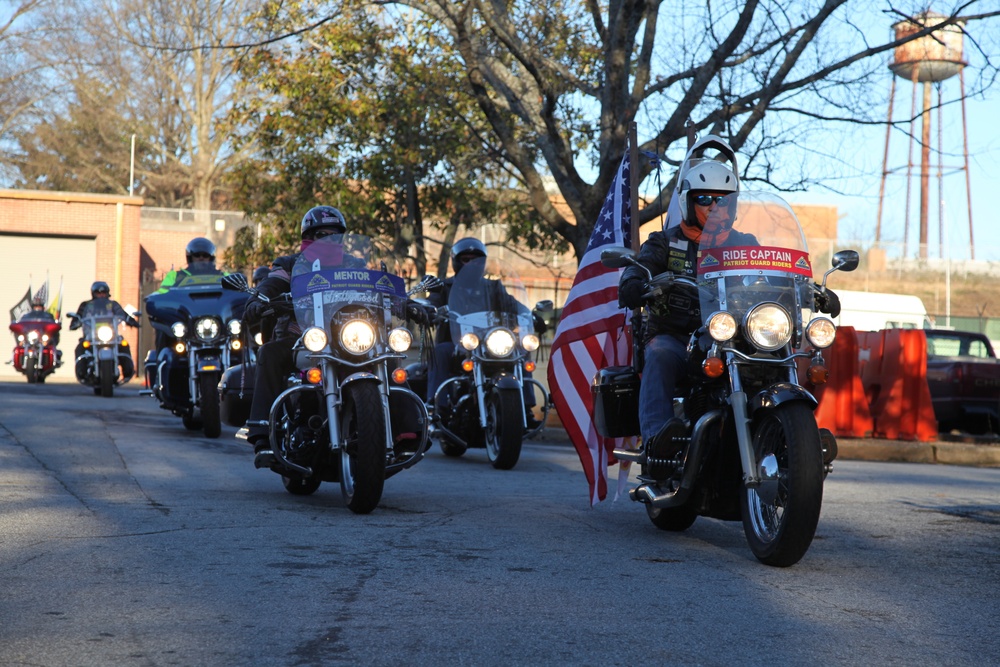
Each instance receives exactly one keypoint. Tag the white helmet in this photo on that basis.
(707, 176)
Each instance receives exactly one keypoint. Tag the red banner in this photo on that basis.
(754, 258)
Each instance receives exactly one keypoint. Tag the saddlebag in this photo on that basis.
(616, 401)
(236, 394)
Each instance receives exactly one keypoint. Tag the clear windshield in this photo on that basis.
(487, 293)
(753, 250)
(339, 271)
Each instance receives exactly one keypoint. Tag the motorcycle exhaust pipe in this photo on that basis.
(649, 493)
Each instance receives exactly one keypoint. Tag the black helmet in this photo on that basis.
(99, 286)
(466, 246)
(322, 217)
(259, 274)
(199, 246)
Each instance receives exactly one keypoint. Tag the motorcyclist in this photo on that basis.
(259, 274)
(708, 195)
(200, 256)
(101, 303)
(39, 314)
(441, 363)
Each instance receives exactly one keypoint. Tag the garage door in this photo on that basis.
(24, 258)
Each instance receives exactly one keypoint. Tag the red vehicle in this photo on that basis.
(35, 352)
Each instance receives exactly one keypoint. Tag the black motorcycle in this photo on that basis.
(347, 415)
(483, 403)
(748, 447)
(198, 330)
(105, 362)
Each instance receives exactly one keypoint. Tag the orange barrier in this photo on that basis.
(895, 382)
(843, 408)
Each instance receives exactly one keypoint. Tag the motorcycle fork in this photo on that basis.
(480, 379)
(333, 401)
(738, 403)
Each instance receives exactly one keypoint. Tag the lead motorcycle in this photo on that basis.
(750, 449)
(347, 415)
(199, 326)
(483, 404)
(105, 362)
(35, 352)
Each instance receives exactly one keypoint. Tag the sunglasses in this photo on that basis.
(201, 255)
(708, 200)
(321, 234)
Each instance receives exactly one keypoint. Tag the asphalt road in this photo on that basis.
(126, 540)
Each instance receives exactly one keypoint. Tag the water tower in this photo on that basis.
(928, 59)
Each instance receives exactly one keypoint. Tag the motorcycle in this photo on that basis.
(749, 448)
(105, 362)
(347, 415)
(483, 404)
(35, 352)
(198, 325)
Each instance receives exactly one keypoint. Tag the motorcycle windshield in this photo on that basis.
(487, 294)
(194, 297)
(335, 272)
(752, 250)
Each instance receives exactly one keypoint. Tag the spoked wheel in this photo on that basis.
(301, 486)
(108, 372)
(362, 459)
(211, 421)
(780, 516)
(504, 429)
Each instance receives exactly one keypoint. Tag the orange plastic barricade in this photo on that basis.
(843, 408)
(901, 400)
(870, 363)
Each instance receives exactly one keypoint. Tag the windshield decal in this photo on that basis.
(754, 258)
(347, 280)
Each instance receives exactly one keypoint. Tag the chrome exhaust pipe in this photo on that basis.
(649, 494)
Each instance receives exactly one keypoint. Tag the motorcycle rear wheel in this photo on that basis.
(504, 430)
(779, 530)
(107, 373)
(362, 459)
(211, 419)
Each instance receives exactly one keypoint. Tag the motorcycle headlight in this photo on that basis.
(105, 333)
(314, 339)
(529, 342)
(821, 332)
(178, 330)
(769, 326)
(400, 340)
(258, 338)
(206, 328)
(20, 338)
(45, 338)
(470, 341)
(32, 337)
(357, 336)
(721, 326)
(500, 342)
(235, 327)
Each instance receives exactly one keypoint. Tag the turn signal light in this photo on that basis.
(86, 344)
(713, 367)
(179, 348)
(399, 375)
(529, 366)
(818, 374)
(236, 345)
(467, 365)
(314, 376)
(124, 343)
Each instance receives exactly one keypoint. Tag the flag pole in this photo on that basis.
(633, 148)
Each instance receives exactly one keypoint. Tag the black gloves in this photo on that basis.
(416, 312)
(630, 293)
(827, 301)
(253, 312)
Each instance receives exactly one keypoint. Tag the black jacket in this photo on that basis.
(278, 281)
(498, 295)
(101, 306)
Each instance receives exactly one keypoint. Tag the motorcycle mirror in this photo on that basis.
(73, 315)
(617, 258)
(846, 260)
(236, 281)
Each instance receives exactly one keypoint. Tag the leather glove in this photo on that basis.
(630, 293)
(827, 301)
(417, 313)
(253, 312)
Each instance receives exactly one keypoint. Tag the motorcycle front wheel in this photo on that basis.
(107, 372)
(362, 458)
(780, 516)
(211, 420)
(31, 370)
(504, 428)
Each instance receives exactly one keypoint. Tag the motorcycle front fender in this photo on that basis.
(506, 381)
(107, 354)
(779, 393)
(208, 363)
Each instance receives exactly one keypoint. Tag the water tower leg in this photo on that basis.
(965, 155)
(885, 163)
(925, 166)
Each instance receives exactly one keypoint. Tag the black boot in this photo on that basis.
(664, 446)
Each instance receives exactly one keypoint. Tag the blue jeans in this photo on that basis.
(666, 362)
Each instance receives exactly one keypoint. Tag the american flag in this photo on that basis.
(591, 335)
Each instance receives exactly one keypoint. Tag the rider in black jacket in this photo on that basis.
(101, 303)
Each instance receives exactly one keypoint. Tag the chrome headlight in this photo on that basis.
(20, 338)
(721, 326)
(314, 339)
(470, 341)
(105, 333)
(821, 332)
(400, 340)
(769, 326)
(500, 342)
(235, 327)
(206, 328)
(178, 330)
(529, 342)
(32, 337)
(258, 338)
(357, 336)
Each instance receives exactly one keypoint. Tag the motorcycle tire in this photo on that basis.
(107, 378)
(190, 422)
(780, 517)
(673, 519)
(31, 370)
(211, 416)
(504, 431)
(362, 459)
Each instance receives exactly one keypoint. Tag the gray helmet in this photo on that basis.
(466, 246)
(199, 245)
(322, 217)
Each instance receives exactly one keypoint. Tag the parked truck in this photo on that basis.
(874, 311)
(963, 374)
